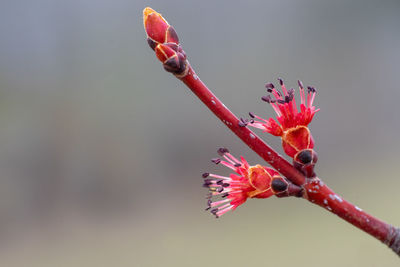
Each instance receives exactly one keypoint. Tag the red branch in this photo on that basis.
(163, 39)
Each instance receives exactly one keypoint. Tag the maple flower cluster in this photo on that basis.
(228, 192)
(291, 125)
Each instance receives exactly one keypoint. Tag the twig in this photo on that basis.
(163, 39)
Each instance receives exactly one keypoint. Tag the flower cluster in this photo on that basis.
(228, 192)
(292, 125)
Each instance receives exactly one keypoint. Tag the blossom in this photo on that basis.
(228, 192)
(291, 124)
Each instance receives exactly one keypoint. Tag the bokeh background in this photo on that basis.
(101, 151)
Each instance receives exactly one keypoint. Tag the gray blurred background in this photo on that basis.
(101, 151)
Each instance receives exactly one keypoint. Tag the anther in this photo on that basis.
(216, 160)
(220, 189)
(205, 175)
(280, 101)
(224, 195)
(206, 184)
(222, 150)
(220, 182)
(251, 114)
(225, 185)
(242, 122)
(300, 84)
(269, 86)
(266, 98)
(311, 89)
(280, 81)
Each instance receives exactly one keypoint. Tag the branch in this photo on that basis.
(163, 39)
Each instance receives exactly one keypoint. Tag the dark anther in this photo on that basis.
(220, 182)
(280, 101)
(287, 99)
(279, 185)
(221, 151)
(225, 184)
(220, 189)
(251, 114)
(214, 211)
(280, 81)
(224, 195)
(251, 121)
(311, 89)
(305, 156)
(291, 91)
(300, 84)
(269, 86)
(216, 160)
(242, 124)
(237, 165)
(209, 203)
(206, 184)
(269, 90)
(266, 98)
(205, 175)
(207, 208)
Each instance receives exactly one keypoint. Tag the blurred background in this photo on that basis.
(101, 151)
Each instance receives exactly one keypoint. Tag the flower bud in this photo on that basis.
(305, 161)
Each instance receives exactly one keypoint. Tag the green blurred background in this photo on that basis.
(101, 151)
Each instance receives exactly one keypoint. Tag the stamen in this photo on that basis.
(232, 158)
(283, 86)
(222, 212)
(205, 175)
(219, 177)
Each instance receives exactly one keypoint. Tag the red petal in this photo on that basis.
(259, 178)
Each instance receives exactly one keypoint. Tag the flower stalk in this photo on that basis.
(300, 175)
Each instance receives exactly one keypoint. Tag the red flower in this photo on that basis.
(292, 123)
(227, 193)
